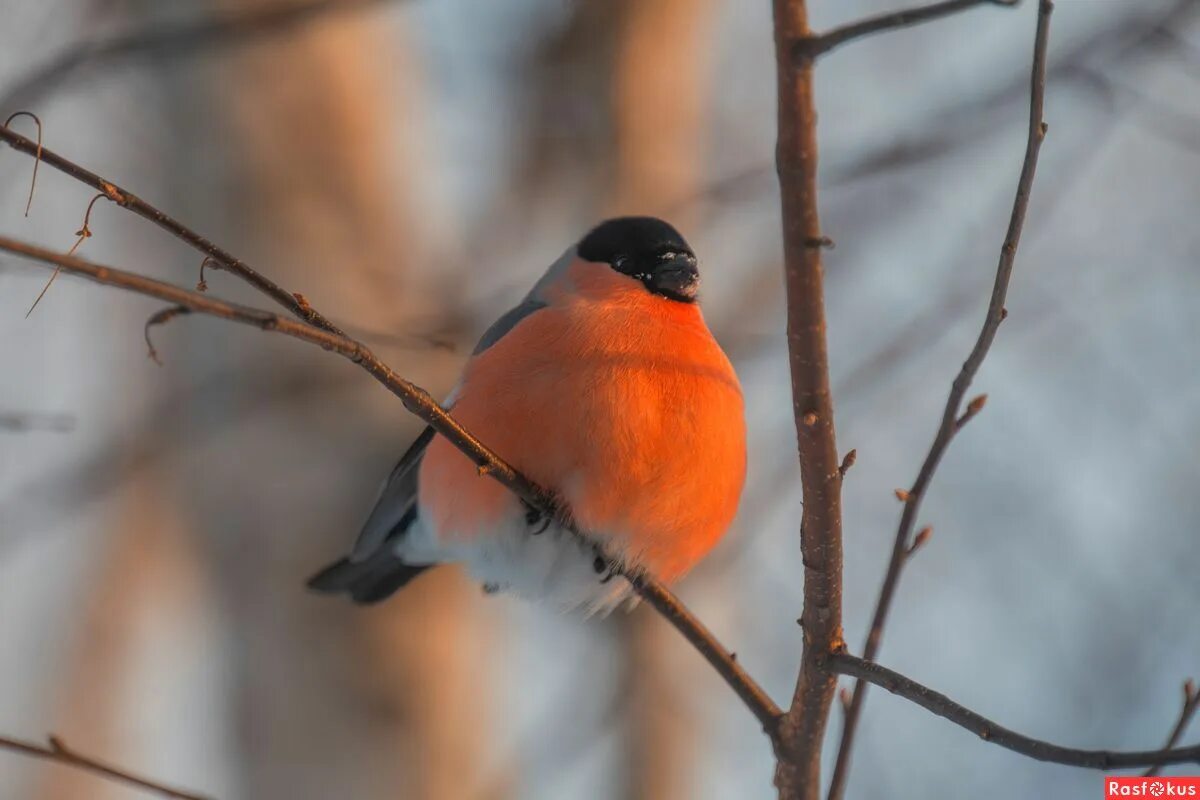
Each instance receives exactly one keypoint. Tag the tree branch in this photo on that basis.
(950, 424)
(802, 730)
(1191, 702)
(989, 731)
(171, 41)
(422, 404)
(669, 606)
(215, 256)
(58, 752)
(812, 46)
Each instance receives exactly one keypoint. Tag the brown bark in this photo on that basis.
(802, 729)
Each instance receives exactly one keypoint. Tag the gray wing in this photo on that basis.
(507, 322)
(533, 301)
(395, 501)
(400, 492)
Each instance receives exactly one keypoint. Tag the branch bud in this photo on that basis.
(973, 408)
(921, 538)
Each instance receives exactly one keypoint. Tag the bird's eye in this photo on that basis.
(619, 262)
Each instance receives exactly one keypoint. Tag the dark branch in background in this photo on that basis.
(965, 123)
(808, 48)
(1191, 702)
(422, 404)
(216, 256)
(952, 422)
(35, 509)
(173, 41)
(20, 422)
(989, 731)
(58, 752)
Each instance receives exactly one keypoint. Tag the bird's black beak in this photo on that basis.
(676, 277)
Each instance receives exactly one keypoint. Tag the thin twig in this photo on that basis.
(58, 752)
(950, 423)
(724, 661)
(422, 404)
(83, 234)
(802, 730)
(132, 202)
(989, 731)
(809, 48)
(37, 159)
(161, 318)
(172, 41)
(1191, 702)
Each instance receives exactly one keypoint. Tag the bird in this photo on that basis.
(605, 387)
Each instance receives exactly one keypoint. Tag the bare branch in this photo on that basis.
(1191, 702)
(58, 752)
(724, 661)
(989, 731)
(175, 41)
(802, 729)
(951, 422)
(421, 403)
(810, 47)
(128, 200)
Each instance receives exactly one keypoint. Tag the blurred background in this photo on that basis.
(411, 166)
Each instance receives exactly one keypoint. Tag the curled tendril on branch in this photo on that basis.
(37, 158)
(84, 232)
(161, 318)
(212, 263)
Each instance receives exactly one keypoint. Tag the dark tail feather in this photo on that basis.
(368, 581)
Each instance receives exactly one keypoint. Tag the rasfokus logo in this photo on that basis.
(1137, 786)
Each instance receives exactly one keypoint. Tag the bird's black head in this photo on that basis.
(648, 249)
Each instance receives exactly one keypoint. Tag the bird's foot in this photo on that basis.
(537, 520)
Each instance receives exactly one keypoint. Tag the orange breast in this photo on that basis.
(618, 400)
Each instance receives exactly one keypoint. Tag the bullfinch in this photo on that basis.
(605, 387)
